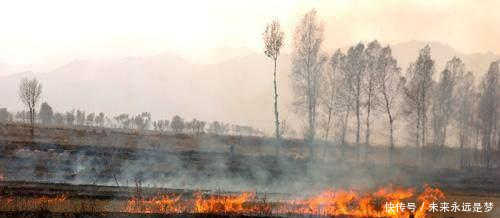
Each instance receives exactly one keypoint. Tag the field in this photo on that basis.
(114, 173)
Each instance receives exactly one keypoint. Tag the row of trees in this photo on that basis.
(454, 100)
(30, 91)
(343, 90)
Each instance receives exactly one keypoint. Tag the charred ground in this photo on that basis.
(233, 163)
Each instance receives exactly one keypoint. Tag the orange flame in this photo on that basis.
(159, 204)
(427, 197)
(44, 203)
(328, 203)
(44, 200)
(223, 204)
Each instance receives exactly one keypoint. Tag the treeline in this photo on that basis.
(140, 122)
(339, 93)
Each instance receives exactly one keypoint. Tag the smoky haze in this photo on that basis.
(119, 102)
(56, 32)
(234, 89)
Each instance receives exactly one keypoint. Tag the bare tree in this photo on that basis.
(80, 117)
(344, 98)
(121, 119)
(488, 110)
(330, 87)
(343, 107)
(285, 128)
(307, 67)
(354, 71)
(388, 85)
(30, 91)
(464, 115)
(372, 58)
(273, 42)
(58, 119)
(99, 119)
(5, 115)
(90, 119)
(417, 95)
(70, 118)
(177, 124)
(142, 121)
(46, 114)
(443, 102)
(215, 128)
(476, 128)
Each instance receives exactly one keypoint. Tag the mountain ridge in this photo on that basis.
(237, 90)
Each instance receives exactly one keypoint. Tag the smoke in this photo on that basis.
(205, 162)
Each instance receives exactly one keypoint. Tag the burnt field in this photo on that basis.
(22, 199)
(116, 215)
(112, 173)
(116, 158)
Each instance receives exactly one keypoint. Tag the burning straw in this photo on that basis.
(328, 203)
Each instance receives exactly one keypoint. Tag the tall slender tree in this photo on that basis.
(388, 85)
(307, 68)
(46, 114)
(30, 91)
(354, 72)
(372, 58)
(464, 115)
(273, 42)
(488, 110)
(331, 85)
(417, 95)
(443, 103)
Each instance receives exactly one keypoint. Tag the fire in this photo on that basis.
(427, 197)
(6, 200)
(159, 204)
(42, 203)
(395, 196)
(325, 203)
(47, 201)
(329, 203)
(214, 204)
(223, 204)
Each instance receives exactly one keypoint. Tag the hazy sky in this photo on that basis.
(54, 32)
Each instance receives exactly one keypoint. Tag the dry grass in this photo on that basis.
(50, 204)
(87, 205)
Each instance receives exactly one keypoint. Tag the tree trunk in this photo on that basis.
(391, 155)
(358, 127)
(476, 145)
(417, 142)
(461, 150)
(32, 122)
(424, 126)
(368, 110)
(276, 115)
(367, 132)
(344, 131)
(310, 131)
(442, 142)
(487, 144)
(330, 109)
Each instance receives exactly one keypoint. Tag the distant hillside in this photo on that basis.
(407, 52)
(237, 90)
